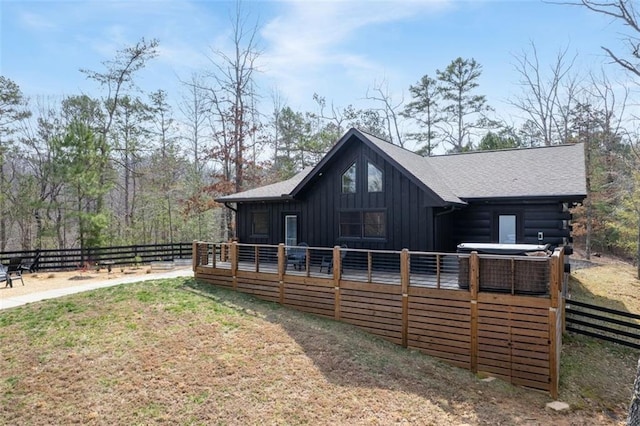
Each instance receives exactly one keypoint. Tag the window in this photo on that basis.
(291, 230)
(350, 224)
(349, 180)
(260, 223)
(374, 225)
(363, 224)
(507, 229)
(374, 178)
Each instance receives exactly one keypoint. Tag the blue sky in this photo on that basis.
(337, 49)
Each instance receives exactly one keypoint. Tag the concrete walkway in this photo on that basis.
(12, 302)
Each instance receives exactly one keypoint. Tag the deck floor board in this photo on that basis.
(448, 280)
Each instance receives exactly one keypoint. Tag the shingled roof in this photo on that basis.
(275, 191)
(516, 173)
(532, 172)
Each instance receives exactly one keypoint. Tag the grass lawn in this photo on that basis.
(181, 352)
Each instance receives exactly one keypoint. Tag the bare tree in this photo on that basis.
(390, 110)
(543, 101)
(331, 123)
(333, 116)
(623, 11)
(196, 110)
(234, 77)
(231, 97)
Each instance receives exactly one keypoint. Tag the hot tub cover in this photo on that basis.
(506, 249)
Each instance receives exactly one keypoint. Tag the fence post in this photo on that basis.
(194, 256)
(256, 258)
(474, 285)
(234, 264)
(204, 255)
(307, 260)
(404, 280)
(223, 252)
(555, 336)
(337, 273)
(281, 265)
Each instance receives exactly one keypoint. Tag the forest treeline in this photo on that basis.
(126, 167)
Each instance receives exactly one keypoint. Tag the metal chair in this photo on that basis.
(33, 265)
(327, 261)
(4, 276)
(14, 268)
(297, 256)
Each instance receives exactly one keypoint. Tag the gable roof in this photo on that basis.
(410, 163)
(516, 173)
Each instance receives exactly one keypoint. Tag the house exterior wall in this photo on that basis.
(478, 222)
(408, 208)
(415, 218)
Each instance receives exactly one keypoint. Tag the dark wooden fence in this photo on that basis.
(478, 312)
(603, 323)
(55, 259)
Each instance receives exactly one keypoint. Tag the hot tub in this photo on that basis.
(503, 268)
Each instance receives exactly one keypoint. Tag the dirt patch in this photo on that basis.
(50, 280)
(79, 278)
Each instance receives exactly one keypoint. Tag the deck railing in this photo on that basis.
(504, 274)
(496, 314)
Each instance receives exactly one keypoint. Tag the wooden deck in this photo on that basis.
(448, 279)
(415, 300)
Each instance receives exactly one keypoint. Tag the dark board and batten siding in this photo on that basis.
(409, 215)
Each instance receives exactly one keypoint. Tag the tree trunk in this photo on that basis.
(588, 204)
(589, 213)
(634, 406)
(638, 249)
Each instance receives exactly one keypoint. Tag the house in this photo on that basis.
(369, 193)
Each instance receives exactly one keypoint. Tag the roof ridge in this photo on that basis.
(438, 182)
(364, 132)
(522, 148)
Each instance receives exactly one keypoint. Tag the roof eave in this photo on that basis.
(283, 197)
(540, 197)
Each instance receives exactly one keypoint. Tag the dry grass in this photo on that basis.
(181, 352)
(595, 373)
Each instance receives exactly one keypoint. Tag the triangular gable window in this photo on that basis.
(374, 178)
(349, 180)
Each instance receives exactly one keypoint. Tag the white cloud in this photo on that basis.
(36, 22)
(310, 43)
